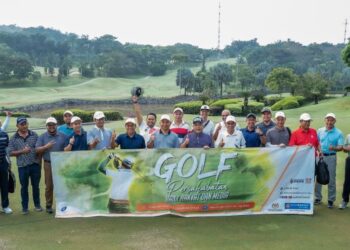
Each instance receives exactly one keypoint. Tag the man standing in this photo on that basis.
(208, 125)
(66, 128)
(78, 139)
(146, 128)
(251, 133)
(197, 138)
(164, 138)
(4, 174)
(331, 140)
(266, 123)
(231, 138)
(50, 141)
(278, 135)
(22, 146)
(130, 139)
(221, 126)
(99, 137)
(178, 126)
(346, 185)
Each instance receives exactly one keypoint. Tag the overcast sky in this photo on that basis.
(163, 22)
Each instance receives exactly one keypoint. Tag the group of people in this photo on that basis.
(31, 150)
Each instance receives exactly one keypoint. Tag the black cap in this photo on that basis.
(197, 119)
(251, 115)
(266, 109)
(21, 120)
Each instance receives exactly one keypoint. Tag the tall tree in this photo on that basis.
(221, 75)
(280, 79)
(185, 80)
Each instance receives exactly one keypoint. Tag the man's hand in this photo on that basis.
(50, 144)
(206, 147)
(111, 156)
(187, 141)
(222, 143)
(282, 145)
(26, 150)
(134, 99)
(95, 141)
(259, 131)
(71, 141)
(8, 113)
(114, 135)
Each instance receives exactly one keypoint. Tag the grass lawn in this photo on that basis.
(326, 229)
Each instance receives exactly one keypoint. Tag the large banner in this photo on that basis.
(184, 182)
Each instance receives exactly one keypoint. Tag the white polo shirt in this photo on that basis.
(235, 140)
(208, 127)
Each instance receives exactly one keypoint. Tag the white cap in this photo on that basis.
(305, 117)
(330, 115)
(51, 120)
(205, 107)
(178, 109)
(99, 115)
(280, 114)
(165, 117)
(130, 120)
(230, 118)
(74, 119)
(68, 112)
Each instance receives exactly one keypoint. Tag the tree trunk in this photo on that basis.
(220, 89)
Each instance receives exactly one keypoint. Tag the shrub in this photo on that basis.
(271, 100)
(235, 109)
(87, 116)
(289, 102)
(15, 114)
(189, 107)
(223, 102)
(255, 107)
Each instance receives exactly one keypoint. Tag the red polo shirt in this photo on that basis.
(300, 137)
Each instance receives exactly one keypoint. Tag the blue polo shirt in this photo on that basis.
(64, 129)
(252, 139)
(333, 137)
(199, 140)
(127, 142)
(80, 141)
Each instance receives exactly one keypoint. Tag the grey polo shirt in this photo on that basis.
(277, 136)
(104, 135)
(166, 141)
(45, 138)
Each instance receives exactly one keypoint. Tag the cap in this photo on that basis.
(178, 109)
(280, 114)
(75, 119)
(266, 109)
(21, 120)
(99, 115)
(130, 120)
(197, 119)
(305, 117)
(330, 115)
(165, 117)
(51, 120)
(250, 115)
(68, 112)
(205, 107)
(230, 118)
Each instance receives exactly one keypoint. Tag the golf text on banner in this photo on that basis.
(194, 182)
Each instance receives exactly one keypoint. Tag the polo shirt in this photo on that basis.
(4, 142)
(80, 141)
(65, 129)
(134, 142)
(264, 128)
(251, 138)
(327, 138)
(17, 142)
(235, 140)
(208, 127)
(104, 135)
(277, 136)
(199, 140)
(146, 131)
(169, 140)
(223, 129)
(60, 142)
(180, 130)
(347, 142)
(300, 137)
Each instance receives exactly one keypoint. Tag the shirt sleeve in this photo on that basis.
(242, 142)
(40, 142)
(67, 140)
(268, 137)
(11, 146)
(341, 139)
(90, 137)
(5, 124)
(143, 143)
(292, 139)
(176, 142)
(118, 140)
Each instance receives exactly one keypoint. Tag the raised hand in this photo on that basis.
(50, 144)
(222, 143)
(72, 140)
(8, 113)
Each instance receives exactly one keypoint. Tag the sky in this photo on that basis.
(166, 22)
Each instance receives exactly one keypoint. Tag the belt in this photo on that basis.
(329, 154)
(47, 161)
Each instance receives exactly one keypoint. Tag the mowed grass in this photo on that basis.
(326, 229)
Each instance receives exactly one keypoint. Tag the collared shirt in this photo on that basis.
(4, 142)
(277, 136)
(169, 140)
(180, 130)
(333, 137)
(208, 127)
(80, 141)
(223, 129)
(199, 140)
(146, 131)
(104, 136)
(235, 140)
(60, 141)
(134, 142)
(300, 137)
(251, 138)
(347, 142)
(17, 143)
(264, 128)
(65, 129)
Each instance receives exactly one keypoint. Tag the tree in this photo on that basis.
(244, 76)
(221, 75)
(158, 68)
(346, 55)
(185, 80)
(313, 86)
(22, 68)
(280, 79)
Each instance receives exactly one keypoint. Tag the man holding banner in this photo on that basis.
(231, 138)
(164, 138)
(197, 139)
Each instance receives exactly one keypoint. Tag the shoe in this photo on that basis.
(7, 210)
(330, 204)
(343, 205)
(25, 211)
(39, 209)
(317, 202)
(49, 210)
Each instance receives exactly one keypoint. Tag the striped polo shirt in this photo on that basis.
(4, 142)
(180, 130)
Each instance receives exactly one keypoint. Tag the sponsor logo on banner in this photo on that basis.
(298, 206)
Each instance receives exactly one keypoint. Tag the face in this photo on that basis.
(130, 128)
(165, 125)
(330, 121)
(100, 122)
(23, 127)
(197, 127)
(224, 114)
(204, 113)
(51, 128)
(251, 122)
(280, 121)
(151, 121)
(230, 126)
(76, 126)
(266, 116)
(178, 115)
(67, 118)
(305, 124)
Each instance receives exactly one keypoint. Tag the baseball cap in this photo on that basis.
(74, 119)
(250, 115)
(165, 117)
(197, 120)
(68, 112)
(178, 109)
(280, 114)
(130, 120)
(330, 115)
(21, 120)
(99, 115)
(51, 120)
(230, 118)
(305, 117)
(266, 109)
(205, 107)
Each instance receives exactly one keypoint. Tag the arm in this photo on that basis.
(6, 123)
(115, 143)
(42, 149)
(69, 144)
(137, 109)
(216, 131)
(102, 166)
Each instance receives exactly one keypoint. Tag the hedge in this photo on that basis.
(223, 102)
(87, 116)
(190, 107)
(15, 114)
(289, 102)
(271, 100)
(237, 109)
